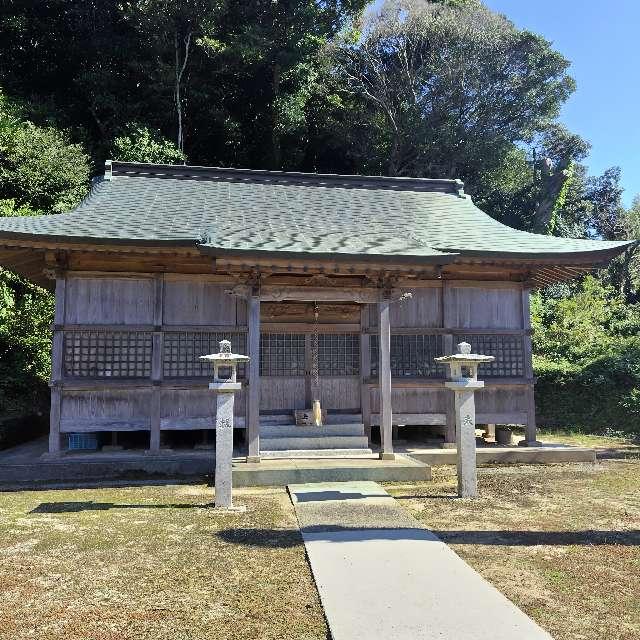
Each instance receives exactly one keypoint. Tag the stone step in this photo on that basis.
(328, 442)
(293, 431)
(318, 453)
(332, 418)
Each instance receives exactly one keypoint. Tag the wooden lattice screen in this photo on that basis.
(339, 354)
(411, 355)
(507, 349)
(107, 354)
(182, 351)
(282, 354)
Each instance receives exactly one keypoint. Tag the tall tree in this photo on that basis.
(451, 86)
(41, 171)
(268, 52)
(169, 31)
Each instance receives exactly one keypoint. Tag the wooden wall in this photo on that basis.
(150, 318)
(494, 317)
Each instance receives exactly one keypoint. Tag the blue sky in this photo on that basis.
(601, 40)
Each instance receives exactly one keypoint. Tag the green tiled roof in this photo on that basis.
(229, 210)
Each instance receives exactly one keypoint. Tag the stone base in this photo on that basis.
(234, 509)
(449, 445)
(157, 452)
(253, 459)
(47, 455)
(387, 456)
(204, 447)
(110, 448)
(530, 443)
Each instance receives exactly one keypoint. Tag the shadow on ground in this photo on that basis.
(589, 537)
(292, 537)
(264, 538)
(76, 507)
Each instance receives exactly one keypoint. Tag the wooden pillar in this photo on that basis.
(156, 365)
(57, 356)
(365, 369)
(489, 433)
(530, 438)
(384, 370)
(253, 404)
(448, 348)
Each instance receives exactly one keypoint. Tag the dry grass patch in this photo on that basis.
(153, 562)
(621, 444)
(561, 541)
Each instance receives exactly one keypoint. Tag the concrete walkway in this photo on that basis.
(382, 576)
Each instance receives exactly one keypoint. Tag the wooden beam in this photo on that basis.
(54, 421)
(360, 295)
(531, 428)
(253, 402)
(365, 370)
(436, 331)
(384, 369)
(511, 417)
(57, 363)
(438, 383)
(157, 372)
(426, 419)
(307, 327)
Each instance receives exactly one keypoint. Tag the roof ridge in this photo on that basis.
(114, 168)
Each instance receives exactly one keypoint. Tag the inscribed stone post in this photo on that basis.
(225, 385)
(463, 381)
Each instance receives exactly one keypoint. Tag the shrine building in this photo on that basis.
(341, 289)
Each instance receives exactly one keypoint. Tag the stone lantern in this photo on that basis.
(225, 384)
(462, 379)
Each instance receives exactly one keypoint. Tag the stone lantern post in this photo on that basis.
(463, 381)
(225, 385)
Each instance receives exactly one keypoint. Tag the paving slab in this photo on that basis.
(382, 576)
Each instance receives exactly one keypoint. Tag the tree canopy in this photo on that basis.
(442, 88)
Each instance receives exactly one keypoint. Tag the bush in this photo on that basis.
(141, 144)
(599, 396)
(14, 431)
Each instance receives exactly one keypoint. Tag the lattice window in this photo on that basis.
(182, 351)
(282, 354)
(507, 350)
(339, 354)
(411, 356)
(107, 354)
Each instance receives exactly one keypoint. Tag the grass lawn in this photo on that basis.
(561, 541)
(620, 444)
(153, 562)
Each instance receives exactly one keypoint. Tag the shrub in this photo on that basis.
(599, 396)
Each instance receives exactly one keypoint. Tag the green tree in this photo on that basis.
(40, 172)
(269, 54)
(450, 88)
(140, 144)
(39, 166)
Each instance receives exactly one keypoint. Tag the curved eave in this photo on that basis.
(593, 256)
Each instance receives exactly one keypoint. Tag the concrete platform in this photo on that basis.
(24, 468)
(381, 576)
(283, 472)
(545, 454)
